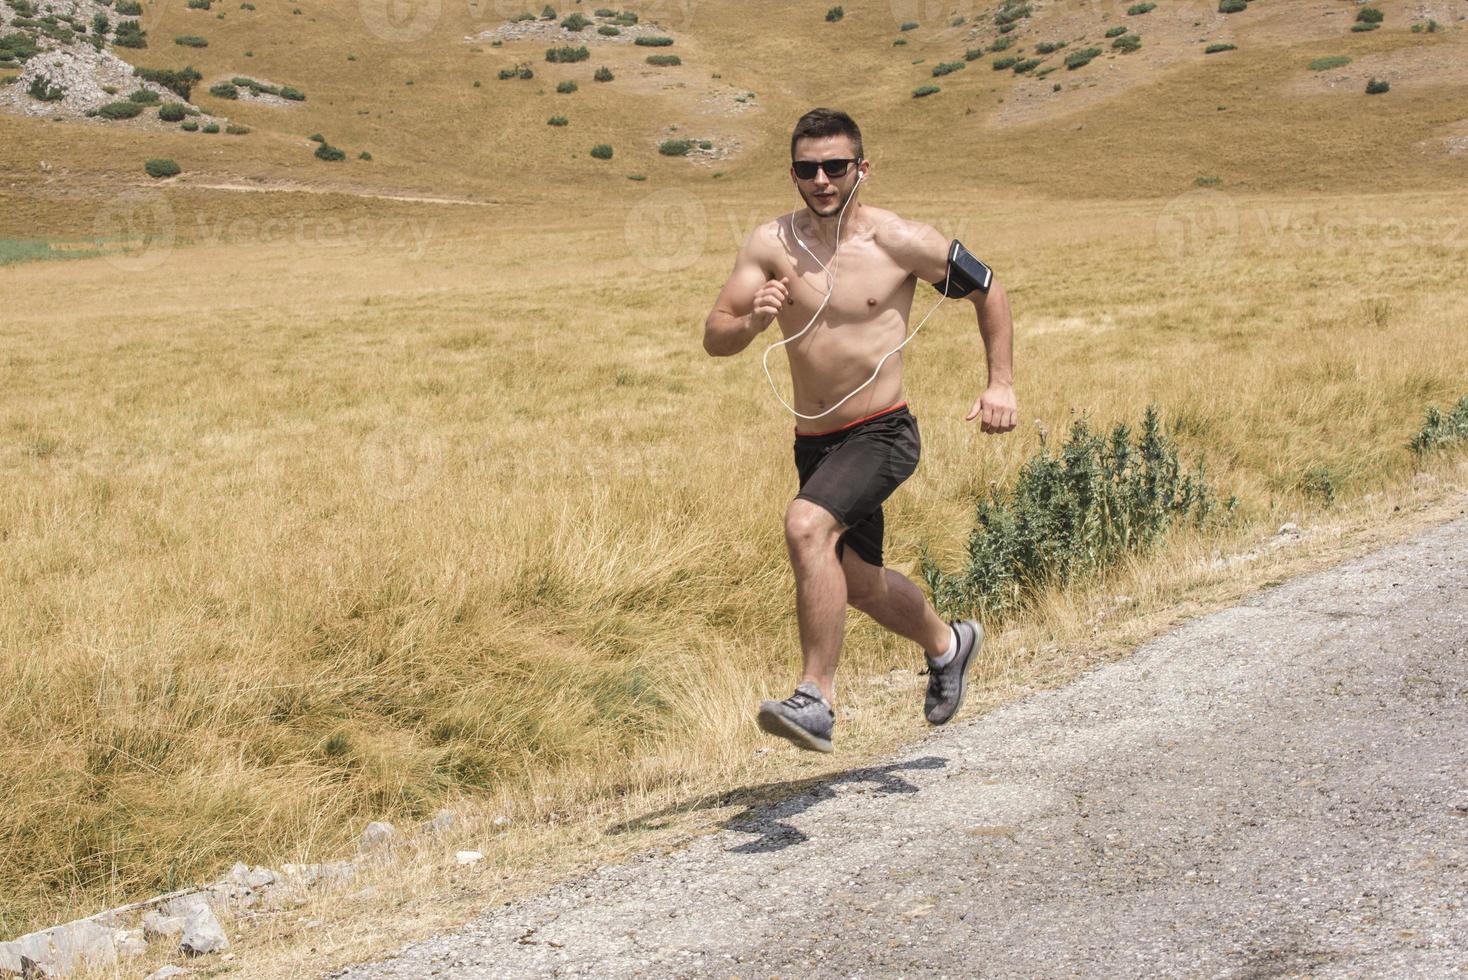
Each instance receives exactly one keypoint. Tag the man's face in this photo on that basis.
(822, 194)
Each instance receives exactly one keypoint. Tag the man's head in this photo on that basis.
(825, 136)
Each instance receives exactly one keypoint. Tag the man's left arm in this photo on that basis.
(919, 249)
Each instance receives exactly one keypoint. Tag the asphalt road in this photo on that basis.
(1278, 789)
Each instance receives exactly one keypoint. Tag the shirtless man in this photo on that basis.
(851, 458)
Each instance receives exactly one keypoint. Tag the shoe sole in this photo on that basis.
(963, 675)
(781, 727)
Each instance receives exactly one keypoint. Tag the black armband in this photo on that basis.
(965, 273)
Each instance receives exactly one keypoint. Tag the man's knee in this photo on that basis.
(810, 526)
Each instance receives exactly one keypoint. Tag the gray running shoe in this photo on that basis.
(946, 684)
(805, 718)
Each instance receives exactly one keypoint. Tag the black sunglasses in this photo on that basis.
(806, 169)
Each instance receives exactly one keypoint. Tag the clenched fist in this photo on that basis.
(774, 294)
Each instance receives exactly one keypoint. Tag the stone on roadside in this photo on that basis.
(442, 821)
(156, 925)
(203, 933)
(463, 858)
(169, 972)
(379, 834)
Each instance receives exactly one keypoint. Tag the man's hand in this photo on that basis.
(767, 302)
(997, 406)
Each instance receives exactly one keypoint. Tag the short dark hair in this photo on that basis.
(826, 122)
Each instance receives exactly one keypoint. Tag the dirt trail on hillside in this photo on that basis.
(1276, 789)
(301, 189)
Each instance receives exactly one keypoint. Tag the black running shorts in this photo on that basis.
(851, 470)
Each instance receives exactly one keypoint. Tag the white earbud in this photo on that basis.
(830, 289)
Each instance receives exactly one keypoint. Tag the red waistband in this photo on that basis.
(848, 425)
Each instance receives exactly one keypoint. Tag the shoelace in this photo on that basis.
(800, 699)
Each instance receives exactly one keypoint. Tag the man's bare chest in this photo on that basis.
(866, 285)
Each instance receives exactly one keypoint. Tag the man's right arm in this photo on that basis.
(746, 305)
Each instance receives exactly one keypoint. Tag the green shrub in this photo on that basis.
(1003, 43)
(224, 90)
(652, 41)
(191, 41)
(1000, 64)
(602, 151)
(1047, 47)
(1010, 12)
(625, 19)
(211, 127)
(1363, 28)
(1375, 87)
(557, 121)
(547, 12)
(189, 126)
(1232, 6)
(567, 55)
(1318, 482)
(172, 112)
(1441, 431)
(1076, 512)
(834, 14)
(603, 74)
(145, 96)
(664, 59)
(364, 155)
(18, 46)
(1117, 31)
(607, 30)
(948, 67)
(924, 90)
(197, 4)
(910, 25)
(235, 129)
(295, 95)
(120, 110)
(576, 22)
(675, 148)
(1138, 9)
(329, 153)
(100, 23)
(129, 8)
(1080, 58)
(900, 40)
(42, 89)
(638, 177)
(316, 138)
(605, 12)
(973, 54)
(178, 81)
(1127, 43)
(130, 34)
(1431, 27)
(1369, 15)
(566, 87)
(1029, 64)
(162, 168)
(1208, 181)
(1216, 48)
(1325, 64)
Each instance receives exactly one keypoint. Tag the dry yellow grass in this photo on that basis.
(340, 508)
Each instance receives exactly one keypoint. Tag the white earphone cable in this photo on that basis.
(830, 290)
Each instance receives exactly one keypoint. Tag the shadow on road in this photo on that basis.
(767, 806)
